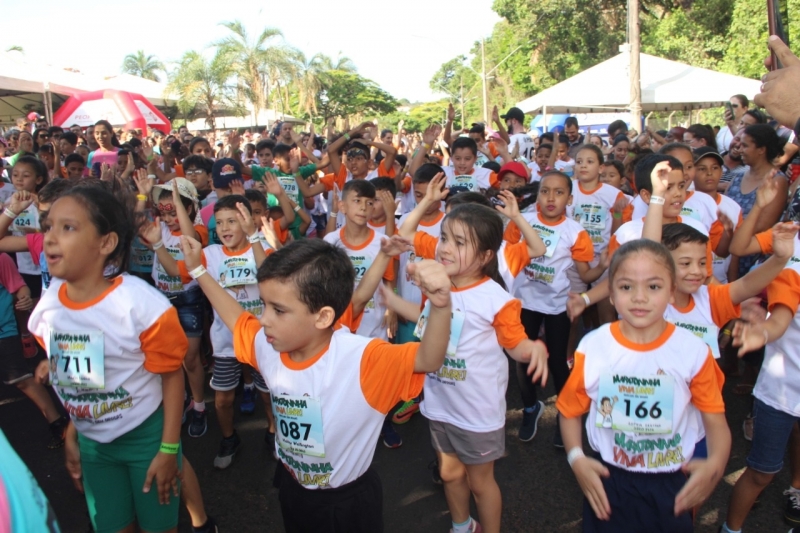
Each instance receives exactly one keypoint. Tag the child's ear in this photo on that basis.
(108, 243)
(645, 196)
(569, 200)
(325, 318)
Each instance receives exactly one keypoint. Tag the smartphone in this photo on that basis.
(729, 110)
(776, 27)
(97, 170)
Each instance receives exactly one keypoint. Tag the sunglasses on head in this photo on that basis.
(356, 152)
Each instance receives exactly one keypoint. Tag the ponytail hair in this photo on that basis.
(485, 230)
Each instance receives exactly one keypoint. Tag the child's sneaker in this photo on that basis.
(228, 449)
(792, 513)
(474, 527)
(29, 347)
(58, 429)
(406, 411)
(248, 403)
(391, 439)
(209, 527)
(530, 422)
(199, 424)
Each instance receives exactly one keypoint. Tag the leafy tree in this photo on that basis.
(347, 93)
(311, 76)
(203, 83)
(142, 65)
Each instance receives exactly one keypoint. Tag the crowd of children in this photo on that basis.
(354, 281)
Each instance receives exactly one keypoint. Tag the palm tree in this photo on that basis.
(15, 48)
(311, 76)
(201, 82)
(255, 62)
(142, 65)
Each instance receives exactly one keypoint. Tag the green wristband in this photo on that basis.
(616, 215)
(346, 136)
(171, 449)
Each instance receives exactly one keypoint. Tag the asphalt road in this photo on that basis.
(539, 491)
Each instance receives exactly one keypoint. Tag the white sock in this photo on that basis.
(250, 386)
(726, 529)
(792, 489)
(199, 406)
(463, 528)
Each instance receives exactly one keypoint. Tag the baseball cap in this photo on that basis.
(514, 167)
(185, 189)
(707, 151)
(514, 112)
(225, 171)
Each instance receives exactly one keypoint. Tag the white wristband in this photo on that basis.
(197, 272)
(157, 245)
(254, 238)
(151, 176)
(574, 454)
(9, 213)
(586, 299)
(657, 200)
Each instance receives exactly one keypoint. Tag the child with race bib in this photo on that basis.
(465, 400)
(642, 381)
(330, 389)
(28, 175)
(177, 206)
(115, 349)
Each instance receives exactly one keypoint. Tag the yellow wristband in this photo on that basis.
(141, 197)
(171, 449)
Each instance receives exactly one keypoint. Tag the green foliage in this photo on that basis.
(142, 65)
(347, 93)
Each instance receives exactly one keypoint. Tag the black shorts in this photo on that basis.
(14, 366)
(356, 507)
(34, 283)
(640, 503)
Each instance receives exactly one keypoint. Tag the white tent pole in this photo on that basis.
(544, 117)
(635, 75)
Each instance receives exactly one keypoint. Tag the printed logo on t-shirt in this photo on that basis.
(709, 333)
(165, 282)
(454, 368)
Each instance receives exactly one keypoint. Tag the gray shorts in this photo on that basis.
(228, 372)
(471, 448)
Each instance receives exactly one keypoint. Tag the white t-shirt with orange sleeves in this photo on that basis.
(778, 383)
(709, 309)
(733, 211)
(342, 177)
(236, 273)
(114, 347)
(592, 210)
(631, 231)
(469, 391)
(656, 388)
(172, 242)
(543, 284)
(329, 410)
(477, 179)
(699, 207)
(362, 257)
(511, 260)
(407, 290)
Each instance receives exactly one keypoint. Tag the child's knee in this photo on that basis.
(452, 472)
(224, 399)
(760, 478)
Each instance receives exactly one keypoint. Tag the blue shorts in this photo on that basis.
(639, 502)
(191, 310)
(771, 431)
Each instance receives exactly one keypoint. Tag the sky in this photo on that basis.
(399, 45)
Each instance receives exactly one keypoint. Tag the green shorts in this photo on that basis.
(113, 477)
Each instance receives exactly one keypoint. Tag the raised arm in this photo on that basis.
(186, 223)
(276, 189)
(428, 136)
(744, 241)
(333, 148)
(448, 126)
(755, 281)
(501, 128)
(654, 220)
(435, 193)
(150, 235)
(433, 281)
(536, 246)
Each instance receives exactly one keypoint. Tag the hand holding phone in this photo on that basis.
(776, 27)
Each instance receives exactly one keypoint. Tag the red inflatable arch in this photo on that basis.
(127, 110)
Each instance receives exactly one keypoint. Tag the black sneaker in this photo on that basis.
(792, 513)
(433, 466)
(228, 449)
(199, 423)
(209, 527)
(530, 422)
(58, 429)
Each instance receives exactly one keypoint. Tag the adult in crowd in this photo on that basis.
(618, 127)
(739, 105)
(699, 135)
(518, 136)
(576, 138)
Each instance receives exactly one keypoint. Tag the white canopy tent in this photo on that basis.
(666, 86)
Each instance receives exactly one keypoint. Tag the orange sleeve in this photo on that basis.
(384, 172)
(512, 233)
(573, 401)
(179, 171)
(425, 245)
(706, 387)
(627, 213)
(341, 176)
(281, 233)
(245, 332)
(41, 342)
(709, 259)
(327, 181)
(613, 246)
(389, 274)
(164, 344)
(185, 277)
(583, 250)
(765, 241)
(722, 308)
(493, 179)
(508, 326)
(785, 290)
(202, 232)
(406, 184)
(387, 374)
(493, 150)
(715, 234)
(517, 257)
(348, 320)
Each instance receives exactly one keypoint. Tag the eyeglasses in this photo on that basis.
(193, 172)
(44, 135)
